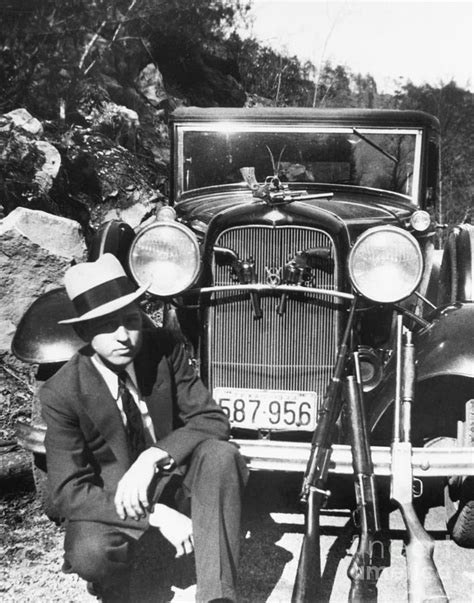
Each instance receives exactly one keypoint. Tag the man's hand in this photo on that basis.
(131, 498)
(175, 527)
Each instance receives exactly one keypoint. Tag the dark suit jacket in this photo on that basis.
(86, 447)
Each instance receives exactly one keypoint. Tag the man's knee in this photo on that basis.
(221, 459)
(95, 554)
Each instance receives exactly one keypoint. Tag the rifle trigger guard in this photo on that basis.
(356, 518)
(417, 487)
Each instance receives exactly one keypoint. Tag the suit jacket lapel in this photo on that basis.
(102, 408)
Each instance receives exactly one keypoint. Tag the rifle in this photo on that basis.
(313, 492)
(423, 580)
(363, 579)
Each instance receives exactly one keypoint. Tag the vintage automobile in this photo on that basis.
(278, 220)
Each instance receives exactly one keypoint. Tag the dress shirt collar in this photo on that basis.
(111, 378)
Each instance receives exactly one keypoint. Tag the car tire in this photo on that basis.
(459, 493)
(460, 513)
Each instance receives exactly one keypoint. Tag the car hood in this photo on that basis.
(357, 208)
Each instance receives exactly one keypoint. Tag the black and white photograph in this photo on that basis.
(236, 301)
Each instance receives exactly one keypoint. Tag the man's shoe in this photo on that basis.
(118, 594)
(94, 590)
(66, 567)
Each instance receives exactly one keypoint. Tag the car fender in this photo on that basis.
(443, 349)
(115, 237)
(445, 346)
(39, 338)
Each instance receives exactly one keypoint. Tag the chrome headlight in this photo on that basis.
(385, 264)
(165, 256)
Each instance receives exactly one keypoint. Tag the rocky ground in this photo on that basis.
(31, 545)
(30, 548)
(31, 552)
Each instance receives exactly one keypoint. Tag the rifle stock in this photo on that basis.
(363, 583)
(423, 580)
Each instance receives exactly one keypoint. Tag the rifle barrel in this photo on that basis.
(308, 575)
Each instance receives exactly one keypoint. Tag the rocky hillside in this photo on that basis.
(90, 141)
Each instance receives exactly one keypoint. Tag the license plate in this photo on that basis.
(268, 409)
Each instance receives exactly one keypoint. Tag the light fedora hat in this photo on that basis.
(99, 288)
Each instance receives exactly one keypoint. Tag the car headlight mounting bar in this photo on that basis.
(266, 288)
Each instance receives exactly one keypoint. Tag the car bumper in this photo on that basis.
(291, 456)
(267, 455)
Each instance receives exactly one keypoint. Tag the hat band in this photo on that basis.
(102, 294)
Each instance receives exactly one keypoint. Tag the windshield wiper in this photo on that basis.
(374, 145)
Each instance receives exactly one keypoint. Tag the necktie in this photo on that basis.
(134, 427)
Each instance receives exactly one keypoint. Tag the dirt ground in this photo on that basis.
(31, 545)
(31, 552)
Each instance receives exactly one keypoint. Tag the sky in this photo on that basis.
(422, 41)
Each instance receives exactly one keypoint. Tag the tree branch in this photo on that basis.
(119, 27)
(114, 37)
(89, 46)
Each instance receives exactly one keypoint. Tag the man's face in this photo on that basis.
(116, 337)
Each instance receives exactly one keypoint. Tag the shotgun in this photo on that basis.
(313, 492)
(423, 580)
(362, 571)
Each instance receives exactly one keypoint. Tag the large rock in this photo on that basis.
(203, 78)
(35, 250)
(103, 115)
(108, 179)
(48, 170)
(28, 163)
(150, 83)
(23, 120)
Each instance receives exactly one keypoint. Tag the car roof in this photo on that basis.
(352, 117)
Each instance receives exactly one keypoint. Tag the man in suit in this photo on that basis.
(132, 432)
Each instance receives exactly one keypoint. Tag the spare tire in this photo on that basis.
(461, 520)
(459, 493)
(456, 280)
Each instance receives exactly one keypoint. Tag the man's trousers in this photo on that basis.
(213, 484)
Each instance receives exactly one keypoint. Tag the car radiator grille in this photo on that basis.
(295, 351)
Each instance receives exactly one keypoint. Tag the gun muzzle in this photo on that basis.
(295, 272)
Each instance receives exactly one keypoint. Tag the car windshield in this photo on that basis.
(371, 157)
